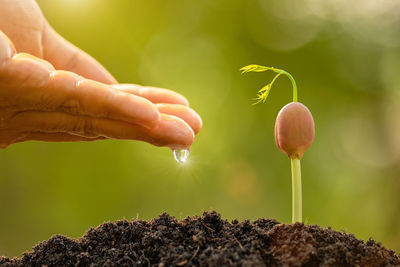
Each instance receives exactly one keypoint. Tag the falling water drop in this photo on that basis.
(181, 155)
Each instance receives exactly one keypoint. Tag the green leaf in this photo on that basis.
(254, 68)
(263, 93)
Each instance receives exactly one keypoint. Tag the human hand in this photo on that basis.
(52, 91)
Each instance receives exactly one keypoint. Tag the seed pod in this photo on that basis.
(294, 130)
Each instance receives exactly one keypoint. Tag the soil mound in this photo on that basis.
(206, 241)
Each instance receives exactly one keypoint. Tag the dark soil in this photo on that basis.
(207, 241)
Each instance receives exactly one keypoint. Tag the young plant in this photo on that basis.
(294, 132)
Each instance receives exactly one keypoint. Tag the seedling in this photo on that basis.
(294, 132)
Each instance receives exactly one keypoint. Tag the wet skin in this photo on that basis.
(51, 90)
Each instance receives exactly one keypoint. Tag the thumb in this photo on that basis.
(7, 49)
(65, 56)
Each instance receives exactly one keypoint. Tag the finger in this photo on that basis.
(22, 22)
(154, 94)
(55, 137)
(65, 56)
(74, 95)
(7, 49)
(170, 131)
(187, 114)
(25, 25)
(34, 85)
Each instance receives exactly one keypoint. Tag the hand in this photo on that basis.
(52, 91)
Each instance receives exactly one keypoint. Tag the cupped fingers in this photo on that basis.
(185, 113)
(170, 131)
(55, 123)
(154, 94)
(55, 137)
(71, 94)
(31, 83)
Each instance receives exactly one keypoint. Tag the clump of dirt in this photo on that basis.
(207, 241)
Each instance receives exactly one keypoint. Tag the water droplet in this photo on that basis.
(181, 155)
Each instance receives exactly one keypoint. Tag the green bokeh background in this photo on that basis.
(345, 56)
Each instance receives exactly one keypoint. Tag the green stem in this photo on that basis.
(296, 191)
(293, 84)
(264, 92)
(279, 71)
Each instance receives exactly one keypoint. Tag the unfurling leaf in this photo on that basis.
(254, 68)
(263, 94)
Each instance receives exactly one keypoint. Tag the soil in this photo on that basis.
(207, 241)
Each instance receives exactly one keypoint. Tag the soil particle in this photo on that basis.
(206, 241)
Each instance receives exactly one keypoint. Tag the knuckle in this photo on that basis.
(86, 127)
(69, 84)
(79, 126)
(71, 105)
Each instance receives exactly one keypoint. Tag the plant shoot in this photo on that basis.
(294, 132)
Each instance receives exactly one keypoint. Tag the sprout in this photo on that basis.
(294, 132)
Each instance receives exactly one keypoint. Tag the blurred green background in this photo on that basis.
(345, 57)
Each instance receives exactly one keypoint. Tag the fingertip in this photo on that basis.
(173, 132)
(149, 116)
(184, 112)
(7, 48)
(162, 95)
(184, 100)
(185, 138)
(154, 94)
(200, 124)
(34, 64)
